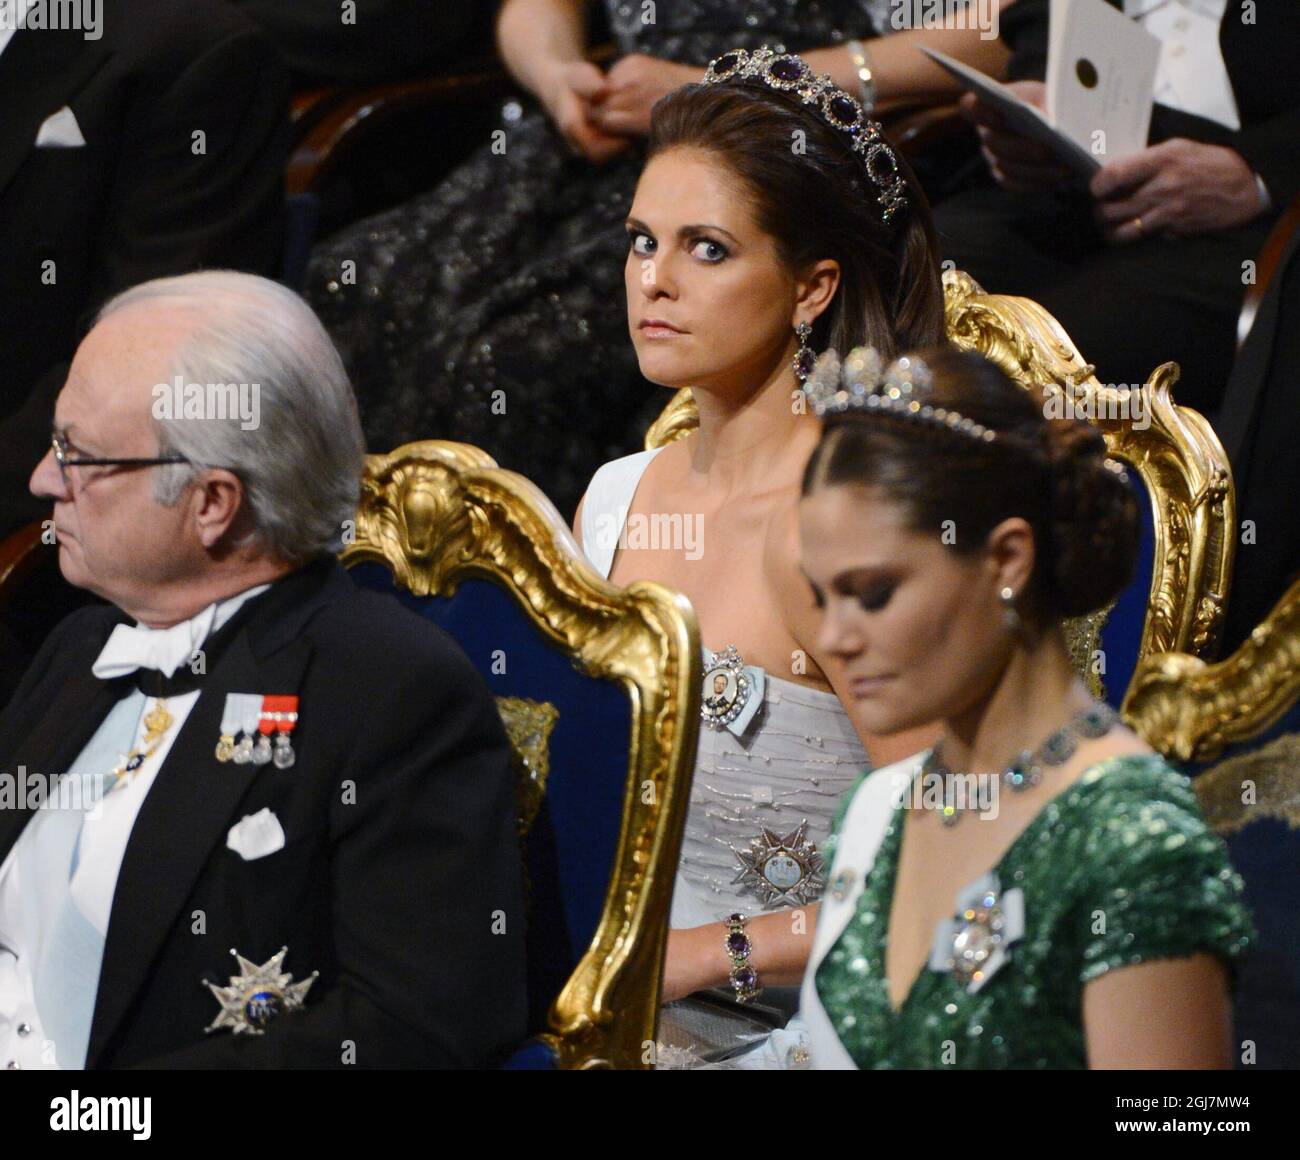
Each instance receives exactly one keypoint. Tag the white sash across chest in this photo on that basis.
(865, 822)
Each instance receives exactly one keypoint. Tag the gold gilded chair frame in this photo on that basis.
(1191, 710)
(436, 513)
(1178, 457)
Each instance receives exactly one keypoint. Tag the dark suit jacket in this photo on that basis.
(136, 202)
(1260, 429)
(390, 40)
(1260, 59)
(400, 846)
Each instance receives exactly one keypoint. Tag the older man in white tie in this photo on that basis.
(243, 750)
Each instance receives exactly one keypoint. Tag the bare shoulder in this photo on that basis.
(670, 465)
(650, 486)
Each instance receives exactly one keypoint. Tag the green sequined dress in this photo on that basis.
(1118, 869)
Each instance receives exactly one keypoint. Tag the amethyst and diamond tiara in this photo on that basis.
(789, 73)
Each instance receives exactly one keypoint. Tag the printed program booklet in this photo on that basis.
(1100, 86)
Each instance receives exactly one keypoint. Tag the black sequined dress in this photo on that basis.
(491, 310)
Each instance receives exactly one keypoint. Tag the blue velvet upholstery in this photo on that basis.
(570, 849)
(532, 1055)
(1266, 852)
(1121, 635)
(301, 217)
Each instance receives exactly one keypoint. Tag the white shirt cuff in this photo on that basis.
(1265, 201)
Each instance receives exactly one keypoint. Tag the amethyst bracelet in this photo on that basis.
(744, 979)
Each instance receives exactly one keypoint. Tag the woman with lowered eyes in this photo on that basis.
(771, 220)
(1039, 889)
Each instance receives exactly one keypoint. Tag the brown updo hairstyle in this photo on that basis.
(1050, 472)
(818, 204)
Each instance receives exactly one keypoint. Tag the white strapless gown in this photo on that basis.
(792, 765)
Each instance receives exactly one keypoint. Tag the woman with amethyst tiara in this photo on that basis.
(733, 279)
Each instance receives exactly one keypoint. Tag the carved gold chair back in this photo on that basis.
(443, 525)
(1193, 711)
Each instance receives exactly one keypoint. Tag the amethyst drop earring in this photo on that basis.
(805, 358)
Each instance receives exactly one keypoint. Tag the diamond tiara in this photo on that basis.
(903, 388)
(789, 73)
(863, 383)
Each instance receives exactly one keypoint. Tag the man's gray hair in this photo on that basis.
(301, 462)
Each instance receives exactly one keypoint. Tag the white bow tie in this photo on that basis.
(132, 647)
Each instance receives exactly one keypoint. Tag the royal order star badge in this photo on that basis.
(258, 995)
(781, 869)
(974, 944)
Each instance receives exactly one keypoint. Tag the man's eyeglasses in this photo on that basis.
(64, 460)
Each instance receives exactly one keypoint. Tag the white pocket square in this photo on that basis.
(60, 131)
(256, 835)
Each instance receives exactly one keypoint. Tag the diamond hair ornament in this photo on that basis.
(863, 383)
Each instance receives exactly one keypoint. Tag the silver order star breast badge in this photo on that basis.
(782, 869)
(257, 995)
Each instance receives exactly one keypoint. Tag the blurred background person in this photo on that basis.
(154, 149)
(1260, 427)
(325, 42)
(1147, 264)
(154, 146)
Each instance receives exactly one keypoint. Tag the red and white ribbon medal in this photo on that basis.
(279, 716)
